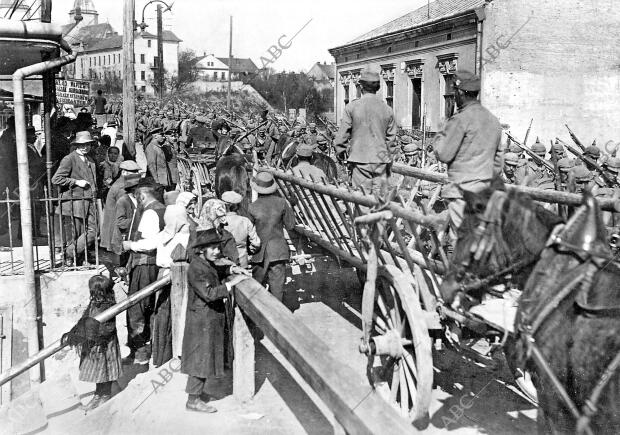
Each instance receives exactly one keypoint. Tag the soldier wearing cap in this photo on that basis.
(537, 174)
(565, 167)
(305, 168)
(470, 144)
(558, 150)
(511, 160)
(369, 127)
(584, 179)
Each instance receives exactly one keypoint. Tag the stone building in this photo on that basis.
(551, 62)
(211, 68)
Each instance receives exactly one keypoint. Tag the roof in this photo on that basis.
(438, 9)
(239, 64)
(168, 36)
(111, 42)
(89, 35)
(328, 70)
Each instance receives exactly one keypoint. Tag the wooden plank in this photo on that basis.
(243, 364)
(356, 405)
(178, 304)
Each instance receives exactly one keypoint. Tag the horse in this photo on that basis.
(231, 174)
(565, 329)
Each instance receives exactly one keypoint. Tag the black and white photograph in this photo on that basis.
(325, 218)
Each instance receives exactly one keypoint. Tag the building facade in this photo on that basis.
(552, 63)
(211, 68)
(100, 48)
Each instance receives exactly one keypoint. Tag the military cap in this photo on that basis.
(613, 164)
(305, 150)
(321, 140)
(406, 139)
(593, 152)
(566, 164)
(511, 159)
(312, 125)
(539, 148)
(129, 165)
(411, 148)
(156, 130)
(558, 147)
(369, 74)
(235, 131)
(467, 81)
(582, 175)
(262, 129)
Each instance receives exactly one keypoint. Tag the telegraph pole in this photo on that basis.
(160, 52)
(129, 104)
(229, 65)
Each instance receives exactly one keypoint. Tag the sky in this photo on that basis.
(203, 25)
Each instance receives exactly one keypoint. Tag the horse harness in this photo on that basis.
(580, 279)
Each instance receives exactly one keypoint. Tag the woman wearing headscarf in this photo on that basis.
(174, 234)
(213, 215)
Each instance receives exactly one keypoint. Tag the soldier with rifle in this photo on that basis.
(587, 160)
(539, 172)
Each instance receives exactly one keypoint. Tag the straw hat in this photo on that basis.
(264, 183)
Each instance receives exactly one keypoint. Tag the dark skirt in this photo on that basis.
(102, 363)
(162, 329)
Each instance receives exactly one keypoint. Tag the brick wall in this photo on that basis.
(562, 66)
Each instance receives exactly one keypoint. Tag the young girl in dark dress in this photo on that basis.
(97, 342)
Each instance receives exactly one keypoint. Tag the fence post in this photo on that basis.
(243, 364)
(178, 300)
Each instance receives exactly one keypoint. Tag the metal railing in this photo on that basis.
(57, 235)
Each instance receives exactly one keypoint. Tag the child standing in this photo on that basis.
(97, 342)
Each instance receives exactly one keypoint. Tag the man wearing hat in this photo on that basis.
(204, 335)
(77, 178)
(271, 214)
(369, 128)
(142, 266)
(242, 229)
(511, 160)
(584, 179)
(127, 168)
(536, 173)
(305, 168)
(470, 144)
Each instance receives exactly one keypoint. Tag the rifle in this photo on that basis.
(248, 132)
(527, 133)
(575, 139)
(230, 121)
(608, 180)
(529, 152)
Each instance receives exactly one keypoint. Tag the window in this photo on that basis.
(357, 56)
(215, 75)
(109, 62)
(148, 43)
(389, 95)
(448, 96)
(389, 49)
(143, 88)
(223, 75)
(416, 44)
(156, 61)
(99, 60)
(346, 94)
(449, 37)
(142, 59)
(91, 61)
(346, 58)
(134, 58)
(416, 103)
(142, 75)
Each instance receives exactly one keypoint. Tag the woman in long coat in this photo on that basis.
(203, 340)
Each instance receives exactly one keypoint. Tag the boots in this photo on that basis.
(197, 405)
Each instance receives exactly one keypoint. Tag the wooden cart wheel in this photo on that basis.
(400, 367)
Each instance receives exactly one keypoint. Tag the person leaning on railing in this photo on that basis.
(77, 178)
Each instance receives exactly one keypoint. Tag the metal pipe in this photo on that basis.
(24, 194)
(30, 29)
(106, 315)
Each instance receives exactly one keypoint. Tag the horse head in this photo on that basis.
(500, 230)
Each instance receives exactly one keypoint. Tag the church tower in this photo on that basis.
(86, 10)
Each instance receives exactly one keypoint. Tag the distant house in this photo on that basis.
(213, 68)
(323, 74)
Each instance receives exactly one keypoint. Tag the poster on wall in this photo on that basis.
(73, 92)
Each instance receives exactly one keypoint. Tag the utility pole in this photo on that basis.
(160, 52)
(129, 103)
(229, 65)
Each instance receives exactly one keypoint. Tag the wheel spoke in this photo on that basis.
(412, 388)
(409, 360)
(404, 391)
(396, 309)
(381, 305)
(379, 324)
(395, 382)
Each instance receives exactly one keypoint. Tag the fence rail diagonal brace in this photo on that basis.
(356, 406)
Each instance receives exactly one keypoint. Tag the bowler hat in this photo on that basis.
(206, 237)
(232, 197)
(131, 181)
(467, 81)
(83, 137)
(369, 74)
(264, 183)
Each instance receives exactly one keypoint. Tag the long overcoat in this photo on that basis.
(71, 169)
(109, 212)
(203, 340)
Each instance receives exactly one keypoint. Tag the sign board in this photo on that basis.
(302, 114)
(75, 92)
